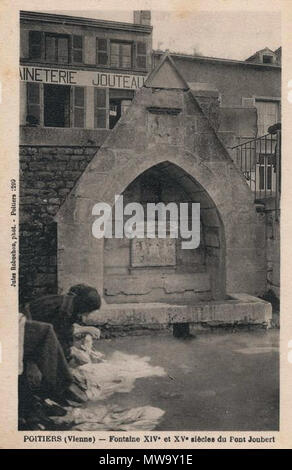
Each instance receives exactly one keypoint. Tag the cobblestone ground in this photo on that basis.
(215, 381)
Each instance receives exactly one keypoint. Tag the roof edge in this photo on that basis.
(216, 60)
(80, 21)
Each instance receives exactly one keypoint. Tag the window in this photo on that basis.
(77, 49)
(115, 111)
(102, 51)
(100, 108)
(120, 55)
(268, 114)
(265, 171)
(33, 104)
(78, 106)
(267, 59)
(141, 55)
(57, 105)
(57, 48)
(119, 101)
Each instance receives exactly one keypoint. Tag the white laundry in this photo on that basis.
(116, 374)
(111, 418)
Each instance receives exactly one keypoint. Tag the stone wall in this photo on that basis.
(273, 251)
(47, 175)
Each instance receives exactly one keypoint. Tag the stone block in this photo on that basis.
(160, 98)
(207, 146)
(210, 217)
(212, 238)
(45, 279)
(238, 310)
(104, 161)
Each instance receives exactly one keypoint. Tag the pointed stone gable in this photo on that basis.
(166, 75)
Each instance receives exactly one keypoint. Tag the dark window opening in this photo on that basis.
(267, 59)
(56, 106)
(119, 101)
(115, 111)
(57, 48)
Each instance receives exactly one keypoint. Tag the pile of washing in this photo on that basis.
(101, 377)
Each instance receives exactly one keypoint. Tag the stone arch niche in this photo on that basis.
(166, 131)
(171, 274)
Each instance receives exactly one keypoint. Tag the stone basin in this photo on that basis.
(237, 309)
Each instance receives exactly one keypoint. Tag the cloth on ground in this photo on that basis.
(103, 377)
(111, 418)
(116, 374)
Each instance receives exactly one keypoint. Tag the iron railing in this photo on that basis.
(260, 162)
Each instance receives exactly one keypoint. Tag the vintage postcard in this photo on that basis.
(145, 256)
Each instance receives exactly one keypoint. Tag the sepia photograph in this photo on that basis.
(149, 220)
(144, 260)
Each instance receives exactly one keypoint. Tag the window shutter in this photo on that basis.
(24, 44)
(78, 106)
(102, 54)
(141, 55)
(77, 49)
(35, 44)
(100, 108)
(33, 104)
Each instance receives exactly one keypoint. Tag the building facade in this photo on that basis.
(79, 73)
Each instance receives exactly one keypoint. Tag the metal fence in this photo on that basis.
(260, 162)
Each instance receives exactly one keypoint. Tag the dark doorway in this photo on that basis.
(56, 106)
(114, 112)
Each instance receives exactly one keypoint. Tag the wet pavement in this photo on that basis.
(215, 381)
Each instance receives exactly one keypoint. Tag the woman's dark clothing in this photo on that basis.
(62, 311)
(56, 310)
(42, 347)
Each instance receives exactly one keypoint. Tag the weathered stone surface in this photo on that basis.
(220, 186)
(153, 252)
(143, 283)
(240, 309)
